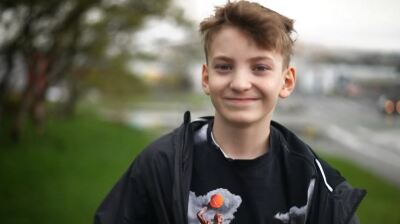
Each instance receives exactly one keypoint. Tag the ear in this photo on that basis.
(204, 79)
(289, 82)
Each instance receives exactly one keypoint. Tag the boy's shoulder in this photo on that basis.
(291, 143)
(161, 148)
(164, 148)
(297, 149)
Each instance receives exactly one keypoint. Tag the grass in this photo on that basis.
(62, 176)
(382, 202)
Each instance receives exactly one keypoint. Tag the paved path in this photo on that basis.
(350, 129)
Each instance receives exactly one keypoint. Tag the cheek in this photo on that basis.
(216, 85)
(214, 92)
(267, 85)
(270, 90)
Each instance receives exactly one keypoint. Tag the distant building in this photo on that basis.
(346, 72)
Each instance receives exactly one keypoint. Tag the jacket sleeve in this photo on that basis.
(351, 198)
(334, 201)
(127, 202)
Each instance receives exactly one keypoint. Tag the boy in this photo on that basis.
(238, 166)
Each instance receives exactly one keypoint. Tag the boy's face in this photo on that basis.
(243, 80)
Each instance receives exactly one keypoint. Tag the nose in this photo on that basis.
(240, 82)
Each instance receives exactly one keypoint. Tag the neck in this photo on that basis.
(242, 142)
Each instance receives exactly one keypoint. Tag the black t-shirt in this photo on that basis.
(243, 191)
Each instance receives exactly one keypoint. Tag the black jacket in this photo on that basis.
(155, 189)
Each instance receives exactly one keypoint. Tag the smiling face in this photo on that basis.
(243, 80)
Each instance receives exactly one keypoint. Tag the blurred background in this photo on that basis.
(86, 84)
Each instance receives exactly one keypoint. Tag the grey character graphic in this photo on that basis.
(297, 215)
(201, 208)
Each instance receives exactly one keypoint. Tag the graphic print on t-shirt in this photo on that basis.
(217, 206)
(297, 214)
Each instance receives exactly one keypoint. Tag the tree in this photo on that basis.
(61, 40)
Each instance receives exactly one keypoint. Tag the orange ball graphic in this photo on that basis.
(216, 201)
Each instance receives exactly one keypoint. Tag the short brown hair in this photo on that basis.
(269, 29)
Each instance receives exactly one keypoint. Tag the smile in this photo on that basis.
(241, 99)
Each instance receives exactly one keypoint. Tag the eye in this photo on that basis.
(223, 67)
(261, 68)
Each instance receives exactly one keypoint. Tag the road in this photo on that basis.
(348, 128)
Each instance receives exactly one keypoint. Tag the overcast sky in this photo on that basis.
(360, 24)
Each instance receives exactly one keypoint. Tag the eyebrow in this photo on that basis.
(222, 58)
(257, 58)
(260, 58)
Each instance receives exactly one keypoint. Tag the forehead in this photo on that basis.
(234, 43)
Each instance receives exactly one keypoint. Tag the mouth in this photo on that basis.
(241, 99)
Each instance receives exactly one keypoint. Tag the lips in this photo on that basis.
(241, 100)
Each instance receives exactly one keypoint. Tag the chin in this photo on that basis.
(242, 118)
